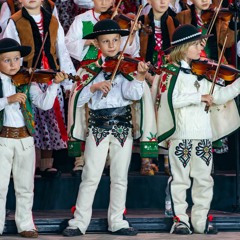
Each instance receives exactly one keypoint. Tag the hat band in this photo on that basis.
(186, 38)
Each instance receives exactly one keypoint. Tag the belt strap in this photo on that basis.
(12, 132)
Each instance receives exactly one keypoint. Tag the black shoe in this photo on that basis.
(181, 229)
(70, 232)
(51, 173)
(126, 232)
(211, 230)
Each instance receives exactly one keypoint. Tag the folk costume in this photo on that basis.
(220, 30)
(30, 30)
(152, 46)
(16, 141)
(188, 132)
(108, 125)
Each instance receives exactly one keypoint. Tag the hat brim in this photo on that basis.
(24, 50)
(168, 50)
(103, 32)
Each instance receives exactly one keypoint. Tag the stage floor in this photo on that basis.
(145, 220)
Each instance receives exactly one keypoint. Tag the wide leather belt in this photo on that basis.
(17, 133)
(106, 118)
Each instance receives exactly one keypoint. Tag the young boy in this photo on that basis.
(84, 50)
(16, 130)
(110, 126)
(221, 28)
(188, 131)
(29, 26)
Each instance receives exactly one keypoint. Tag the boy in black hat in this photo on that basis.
(16, 131)
(110, 126)
(188, 131)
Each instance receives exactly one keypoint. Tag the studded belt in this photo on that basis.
(12, 132)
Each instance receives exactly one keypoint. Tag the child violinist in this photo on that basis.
(30, 26)
(16, 131)
(84, 50)
(196, 15)
(110, 127)
(188, 131)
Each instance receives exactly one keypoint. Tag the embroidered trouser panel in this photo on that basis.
(18, 156)
(191, 159)
(95, 157)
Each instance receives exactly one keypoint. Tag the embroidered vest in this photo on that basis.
(29, 36)
(26, 110)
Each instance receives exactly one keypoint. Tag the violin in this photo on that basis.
(127, 65)
(124, 20)
(223, 14)
(207, 67)
(40, 76)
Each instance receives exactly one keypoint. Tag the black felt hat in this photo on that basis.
(184, 34)
(10, 45)
(106, 26)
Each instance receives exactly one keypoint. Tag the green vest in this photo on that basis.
(25, 108)
(92, 52)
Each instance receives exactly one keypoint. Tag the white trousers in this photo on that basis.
(191, 159)
(18, 156)
(95, 158)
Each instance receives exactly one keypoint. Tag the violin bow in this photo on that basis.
(116, 10)
(35, 65)
(214, 18)
(216, 71)
(125, 45)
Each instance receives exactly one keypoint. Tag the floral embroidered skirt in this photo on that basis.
(47, 132)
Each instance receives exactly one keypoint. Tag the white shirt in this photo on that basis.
(65, 61)
(12, 113)
(75, 43)
(123, 93)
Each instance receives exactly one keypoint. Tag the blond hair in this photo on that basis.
(179, 52)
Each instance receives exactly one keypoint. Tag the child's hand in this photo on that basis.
(104, 86)
(208, 99)
(142, 71)
(60, 76)
(89, 42)
(18, 97)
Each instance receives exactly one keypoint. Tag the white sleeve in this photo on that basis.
(132, 90)
(11, 31)
(74, 41)
(5, 14)
(84, 96)
(222, 95)
(65, 61)
(43, 100)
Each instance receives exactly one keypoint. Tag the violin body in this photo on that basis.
(39, 76)
(207, 68)
(124, 20)
(223, 14)
(127, 65)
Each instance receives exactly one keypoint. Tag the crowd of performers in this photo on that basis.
(157, 79)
